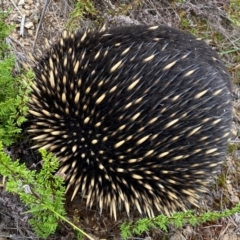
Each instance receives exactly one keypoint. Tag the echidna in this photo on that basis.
(138, 116)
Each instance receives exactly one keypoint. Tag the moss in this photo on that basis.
(234, 12)
(82, 9)
(222, 180)
(232, 148)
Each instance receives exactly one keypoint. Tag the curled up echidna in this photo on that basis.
(138, 116)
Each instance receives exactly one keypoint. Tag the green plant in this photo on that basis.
(81, 8)
(181, 1)
(43, 193)
(13, 90)
(125, 8)
(178, 219)
(234, 12)
(5, 30)
(13, 101)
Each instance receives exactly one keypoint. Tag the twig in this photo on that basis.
(40, 22)
(22, 26)
(16, 7)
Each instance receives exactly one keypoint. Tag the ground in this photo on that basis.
(216, 21)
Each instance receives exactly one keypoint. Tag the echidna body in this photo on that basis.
(138, 116)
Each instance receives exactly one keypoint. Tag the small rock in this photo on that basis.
(235, 199)
(30, 32)
(230, 188)
(26, 44)
(28, 25)
(35, 16)
(21, 2)
(15, 17)
(27, 13)
(27, 7)
(228, 236)
(15, 35)
(30, 1)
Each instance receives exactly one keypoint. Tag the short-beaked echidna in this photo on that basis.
(138, 116)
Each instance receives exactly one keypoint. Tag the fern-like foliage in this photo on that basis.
(178, 219)
(13, 90)
(43, 193)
